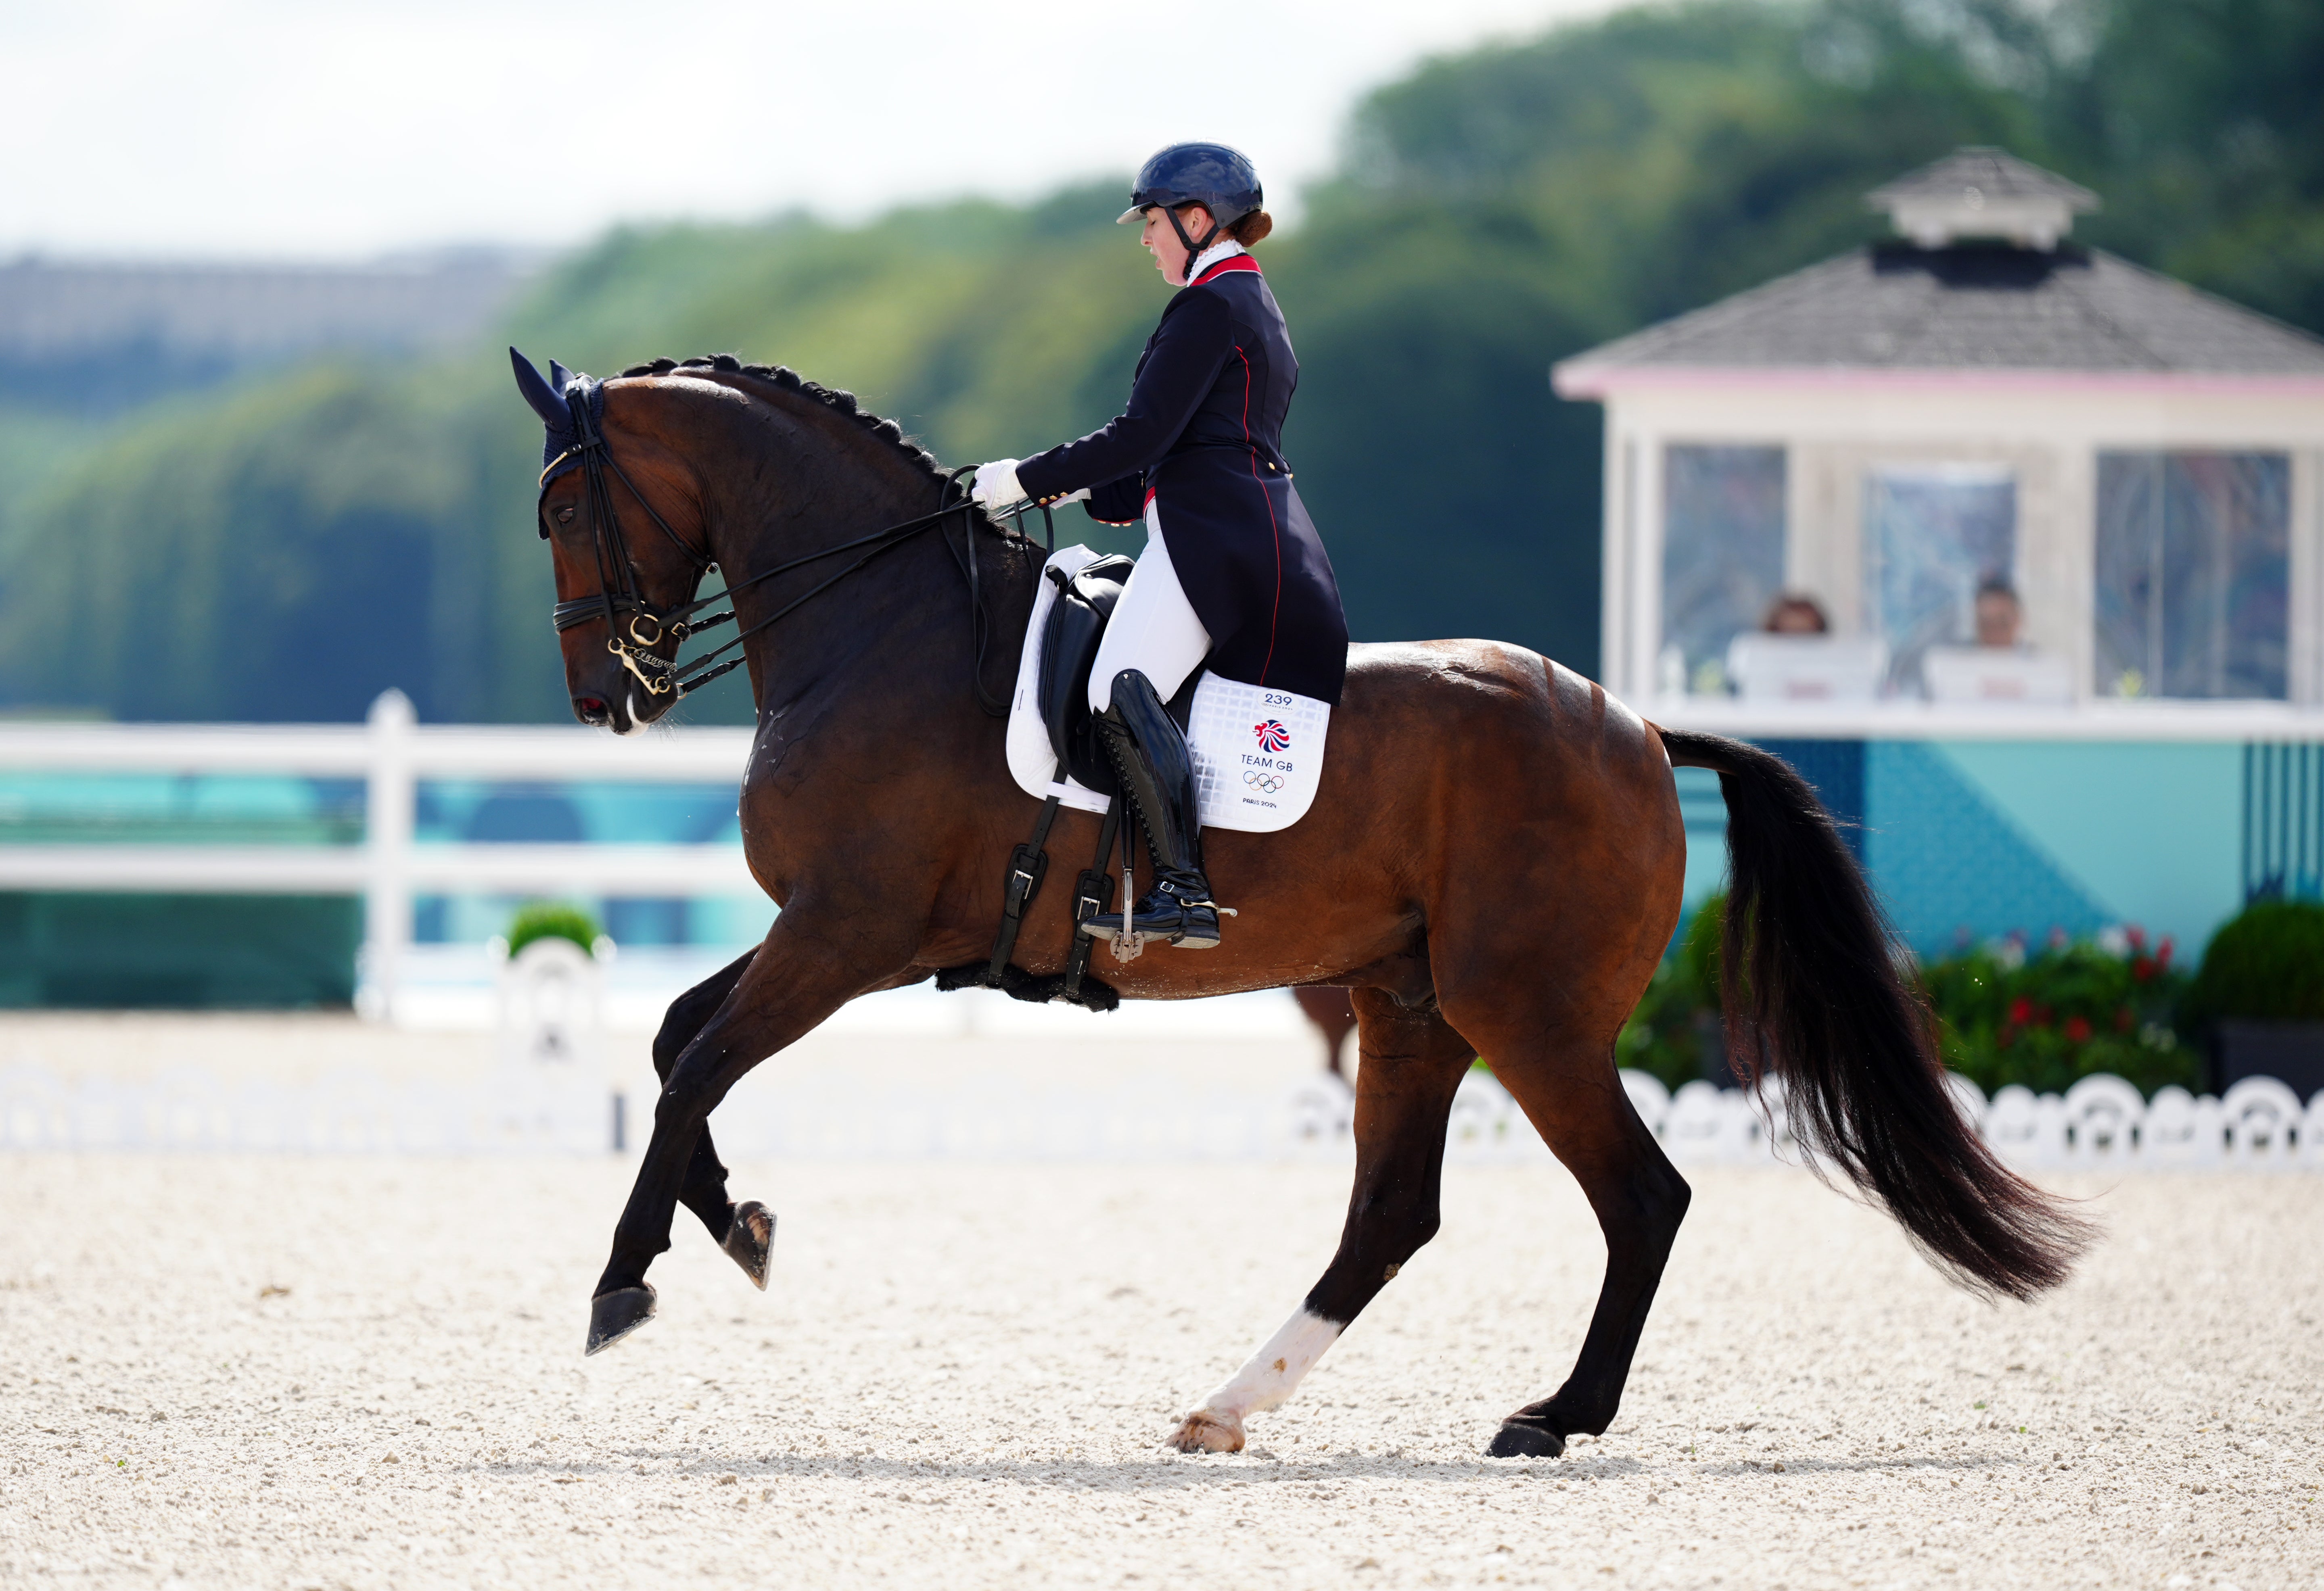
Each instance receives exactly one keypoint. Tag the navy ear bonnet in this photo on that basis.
(565, 401)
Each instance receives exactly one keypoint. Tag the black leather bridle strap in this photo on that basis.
(596, 458)
(617, 593)
(879, 542)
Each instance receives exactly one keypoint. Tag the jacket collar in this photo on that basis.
(1222, 256)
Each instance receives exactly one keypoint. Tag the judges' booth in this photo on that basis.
(2015, 548)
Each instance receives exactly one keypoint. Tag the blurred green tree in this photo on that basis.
(286, 548)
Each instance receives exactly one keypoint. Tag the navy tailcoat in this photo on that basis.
(1202, 439)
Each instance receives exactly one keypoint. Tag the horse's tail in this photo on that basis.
(1812, 993)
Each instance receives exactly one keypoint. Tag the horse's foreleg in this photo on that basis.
(1573, 1095)
(792, 982)
(1411, 1067)
(746, 1232)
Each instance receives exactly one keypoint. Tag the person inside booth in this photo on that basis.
(2000, 616)
(1795, 613)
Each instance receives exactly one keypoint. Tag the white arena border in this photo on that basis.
(2100, 1124)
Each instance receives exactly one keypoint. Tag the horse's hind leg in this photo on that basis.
(1573, 1095)
(1412, 1065)
(746, 1232)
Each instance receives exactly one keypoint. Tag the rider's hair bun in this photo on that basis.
(1251, 228)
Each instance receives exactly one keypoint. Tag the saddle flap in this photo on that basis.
(1077, 622)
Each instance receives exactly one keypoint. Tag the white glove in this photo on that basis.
(996, 485)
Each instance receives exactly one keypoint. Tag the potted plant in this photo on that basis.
(2261, 994)
(549, 919)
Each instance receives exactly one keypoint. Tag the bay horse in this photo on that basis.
(1493, 864)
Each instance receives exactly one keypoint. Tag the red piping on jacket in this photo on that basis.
(1274, 619)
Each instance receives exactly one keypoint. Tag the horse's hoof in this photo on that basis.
(1519, 1439)
(749, 1236)
(1204, 1432)
(613, 1316)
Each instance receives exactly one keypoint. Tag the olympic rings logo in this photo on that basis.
(1266, 783)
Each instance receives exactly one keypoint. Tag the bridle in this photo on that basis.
(634, 626)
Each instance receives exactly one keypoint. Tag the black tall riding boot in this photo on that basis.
(1157, 771)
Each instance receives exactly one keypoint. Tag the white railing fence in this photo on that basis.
(391, 752)
(2101, 1122)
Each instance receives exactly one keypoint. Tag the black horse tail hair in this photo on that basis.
(1813, 995)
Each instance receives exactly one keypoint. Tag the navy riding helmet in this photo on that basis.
(1220, 179)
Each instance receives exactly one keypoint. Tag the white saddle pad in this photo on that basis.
(1258, 753)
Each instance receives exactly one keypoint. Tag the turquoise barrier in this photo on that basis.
(1974, 839)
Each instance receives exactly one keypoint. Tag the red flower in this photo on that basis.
(2136, 935)
(2078, 1030)
(2162, 953)
(2021, 1011)
(2144, 968)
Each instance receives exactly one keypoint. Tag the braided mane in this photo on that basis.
(790, 380)
(837, 400)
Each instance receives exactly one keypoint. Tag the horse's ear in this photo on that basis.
(544, 399)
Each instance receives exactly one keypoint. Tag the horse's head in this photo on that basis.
(623, 519)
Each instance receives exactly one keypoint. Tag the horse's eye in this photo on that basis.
(564, 516)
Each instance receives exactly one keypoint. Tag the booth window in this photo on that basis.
(1932, 534)
(2194, 566)
(1723, 551)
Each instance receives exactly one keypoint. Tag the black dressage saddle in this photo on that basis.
(1077, 623)
(1068, 640)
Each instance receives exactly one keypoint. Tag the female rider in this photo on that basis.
(1234, 576)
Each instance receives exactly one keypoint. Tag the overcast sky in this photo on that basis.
(184, 128)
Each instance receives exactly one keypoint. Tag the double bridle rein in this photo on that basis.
(634, 626)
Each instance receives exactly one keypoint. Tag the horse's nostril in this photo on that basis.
(591, 709)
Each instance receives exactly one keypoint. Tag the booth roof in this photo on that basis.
(1994, 173)
(1971, 306)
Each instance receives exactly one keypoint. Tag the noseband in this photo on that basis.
(634, 626)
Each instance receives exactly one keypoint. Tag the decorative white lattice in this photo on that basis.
(2259, 1126)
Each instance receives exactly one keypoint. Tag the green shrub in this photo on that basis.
(549, 919)
(2044, 1020)
(2267, 965)
(1674, 1032)
(2065, 1013)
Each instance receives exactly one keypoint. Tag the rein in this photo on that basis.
(648, 627)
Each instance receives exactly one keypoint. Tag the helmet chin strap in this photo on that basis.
(1194, 250)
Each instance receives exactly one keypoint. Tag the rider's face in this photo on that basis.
(1162, 242)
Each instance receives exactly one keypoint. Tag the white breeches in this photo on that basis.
(1154, 628)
